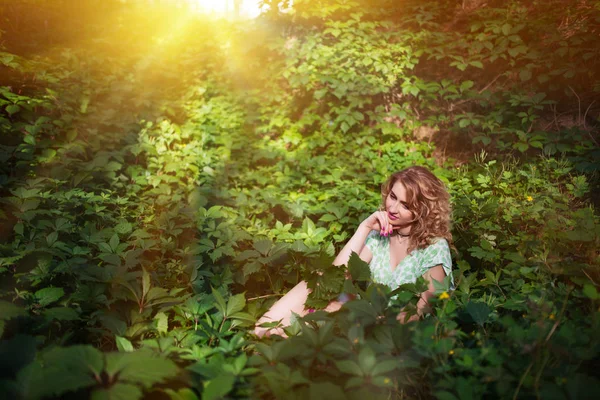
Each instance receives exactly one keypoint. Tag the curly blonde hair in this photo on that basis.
(429, 202)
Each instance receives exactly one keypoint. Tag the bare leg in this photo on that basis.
(282, 310)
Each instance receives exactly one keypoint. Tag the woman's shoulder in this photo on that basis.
(436, 245)
(439, 242)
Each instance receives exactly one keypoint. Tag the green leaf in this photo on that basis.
(514, 51)
(235, 304)
(118, 391)
(506, 28)
(263, 246)
(466, 85)
(61, 370)
(9, 310)
(140, 367)
(123, 344)
(349, 367)
(48, 296)
(359, 269)
(590, 291)
(521, 146)
(16, 353)
(47, 155)
(252, 267)
(155, 293)
(477, 64)
(319, 94)
(12, 109)
(146, 283)
(114, 242)
(218, 387)
(19, 228)
(52, 238)
(181, 394)
(61, 314)
(246, 254)
(444, 395)
(326, 390)
(123, 228)
(243, 317)
(464, 122)
(367, 360)
(478, 311)
(29, 139)
(162, 322)
(525, 75)
(220, 302)
(384, 367)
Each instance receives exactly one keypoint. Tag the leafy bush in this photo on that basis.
(156, 202)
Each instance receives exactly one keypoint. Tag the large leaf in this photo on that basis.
(326, 390)
(220, 302)
(218, 387)
(118, 391)
(16, 353)
(61, 370)
(181, 394)
(140, 367)
(9, 310)
(367, 360)
(49, 295)
(145, 283)
(349, 367)
(263, 246)
(123, 227)
(359, 269)
(123, 344)
(478, 311)
(162, 322)
(235, 304)
(61, 314)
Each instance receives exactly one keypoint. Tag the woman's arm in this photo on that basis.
(436, 273)
(377, 221)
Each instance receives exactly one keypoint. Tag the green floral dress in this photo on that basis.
(411, 267)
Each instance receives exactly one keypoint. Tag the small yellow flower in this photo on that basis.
(355, 341)
(387, 381)
(552, 317)
(451, 352)
(444, 296)
(529, 198)
(472, 333)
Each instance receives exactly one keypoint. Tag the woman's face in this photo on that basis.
(396, 206)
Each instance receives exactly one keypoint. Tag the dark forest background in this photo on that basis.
(165, 176)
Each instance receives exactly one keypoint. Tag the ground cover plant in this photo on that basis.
(165, 177)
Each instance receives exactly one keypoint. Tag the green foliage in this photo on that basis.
(111, 375)
(159, 194)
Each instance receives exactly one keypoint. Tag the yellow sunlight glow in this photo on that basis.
(247, 8)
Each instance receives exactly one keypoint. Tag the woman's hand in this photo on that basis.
(403, 320)
(379, 221)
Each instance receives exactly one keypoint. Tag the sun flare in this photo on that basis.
(240, 8)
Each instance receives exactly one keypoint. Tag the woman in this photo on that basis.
(408, 237)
